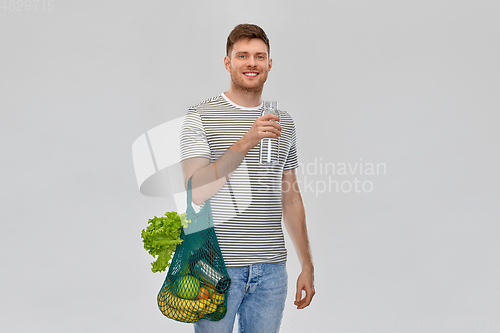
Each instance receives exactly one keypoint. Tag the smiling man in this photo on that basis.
(220, 150)
(248, 62)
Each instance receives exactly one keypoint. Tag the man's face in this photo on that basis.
(248, 64)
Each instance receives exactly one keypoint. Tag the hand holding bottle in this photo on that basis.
(265, 126)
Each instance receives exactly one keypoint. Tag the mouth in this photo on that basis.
(250, 74)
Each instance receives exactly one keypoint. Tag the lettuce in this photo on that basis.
(162, 236)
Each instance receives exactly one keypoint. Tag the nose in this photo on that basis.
(251, 62)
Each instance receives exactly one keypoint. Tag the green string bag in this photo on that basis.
(197, 282)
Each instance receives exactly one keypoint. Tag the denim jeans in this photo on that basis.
(257, 294)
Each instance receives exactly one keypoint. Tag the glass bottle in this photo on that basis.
(269, 146)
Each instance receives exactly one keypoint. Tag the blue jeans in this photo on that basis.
(257, 294)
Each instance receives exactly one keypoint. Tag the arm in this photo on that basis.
(295, 222)
(208, 178)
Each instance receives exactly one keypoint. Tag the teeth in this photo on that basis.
(251, 74)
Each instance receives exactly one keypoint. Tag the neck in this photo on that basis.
(248, 99)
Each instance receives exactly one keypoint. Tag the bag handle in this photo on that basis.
(189, 195)
(201, 220)
(189, 201)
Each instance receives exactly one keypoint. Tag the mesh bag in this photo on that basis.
(197, 282)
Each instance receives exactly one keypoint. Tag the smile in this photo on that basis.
(251, 74)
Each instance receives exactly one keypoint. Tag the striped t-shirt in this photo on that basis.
(247, 210)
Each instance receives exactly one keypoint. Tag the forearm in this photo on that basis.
(208, 179)
(295, 222)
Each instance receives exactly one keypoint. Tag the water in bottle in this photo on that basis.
(269, 146)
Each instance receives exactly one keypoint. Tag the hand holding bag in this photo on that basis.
(197, 282)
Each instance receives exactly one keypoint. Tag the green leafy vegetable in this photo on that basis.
(162, 236)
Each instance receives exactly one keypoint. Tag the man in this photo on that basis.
(220, 151)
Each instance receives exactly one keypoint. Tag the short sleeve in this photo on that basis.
(193, 140)
(292, 160)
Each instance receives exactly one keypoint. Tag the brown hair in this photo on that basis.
(246, 31)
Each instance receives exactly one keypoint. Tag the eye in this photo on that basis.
(241, 56)
(260, 57)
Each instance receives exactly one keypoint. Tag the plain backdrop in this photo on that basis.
(412, 86)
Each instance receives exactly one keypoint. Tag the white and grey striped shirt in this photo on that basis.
(247, 209)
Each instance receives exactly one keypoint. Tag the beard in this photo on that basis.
(240, 85)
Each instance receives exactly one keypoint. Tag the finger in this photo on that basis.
(270, 125)
(267, 122)
(301, 303)
(308, 299)
(274, 124)
(271, 134)
(269, 116)
(298, 294)
(270, 130)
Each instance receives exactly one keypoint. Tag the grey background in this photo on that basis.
(412, 84)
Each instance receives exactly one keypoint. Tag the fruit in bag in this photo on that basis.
(187, 287)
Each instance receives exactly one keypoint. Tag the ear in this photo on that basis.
(270, 65)
(227, 63)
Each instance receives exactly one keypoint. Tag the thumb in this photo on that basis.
(298, 293)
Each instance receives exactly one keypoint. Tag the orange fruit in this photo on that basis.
(217, 298)
(203, 293)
